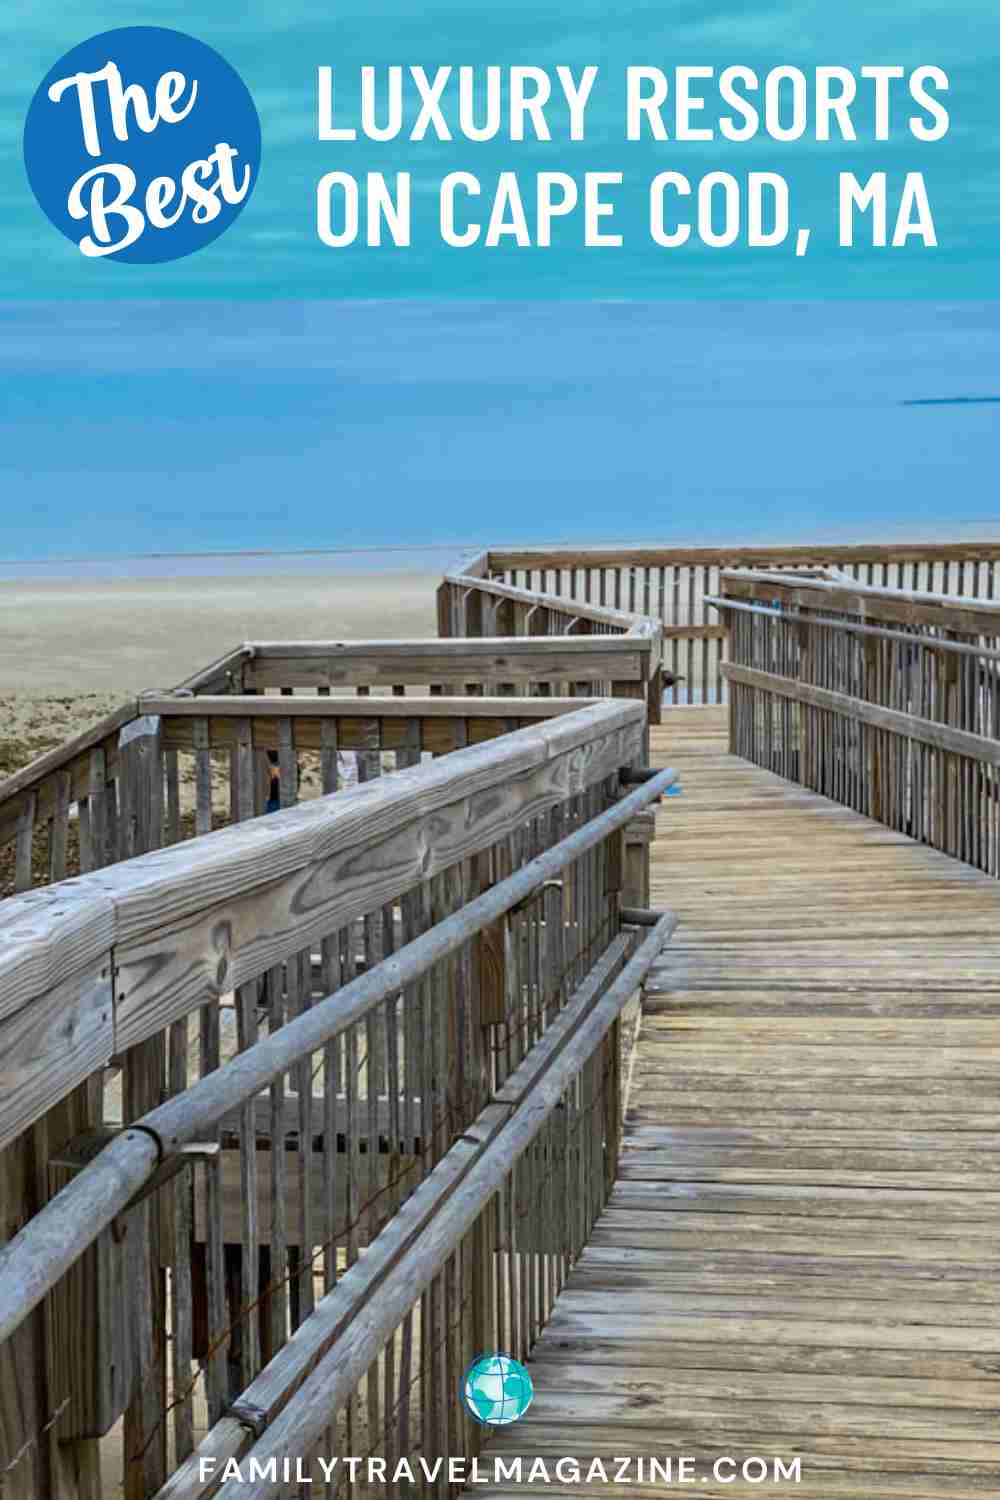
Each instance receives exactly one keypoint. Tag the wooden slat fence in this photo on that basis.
(273, 1037)
(536, 623)
(61, 815)
(624, 648)
(673, 584)
(885, 700)
(289, 985)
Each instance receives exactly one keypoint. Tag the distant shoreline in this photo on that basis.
(427, 557)
(813, 534)
(101, 557)
(152, 567)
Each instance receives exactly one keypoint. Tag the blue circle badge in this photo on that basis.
(142, 145)
(496, 1390)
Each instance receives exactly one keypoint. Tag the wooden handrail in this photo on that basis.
(910, 726)
(900, 724)
(855, 627)
(303, 706)
(670, 583)
(627, 624)
(136, 946)
(518, 659)
(400, 656)
(912, 606)
(338, 663)
(502, 558)
(35, 1259)
(181, 713)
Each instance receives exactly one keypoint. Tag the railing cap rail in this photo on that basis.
(644, 627)
(347, 706)
(440, 646)
(854, 627)
(798, 584)
(501, 558)
(57, 929)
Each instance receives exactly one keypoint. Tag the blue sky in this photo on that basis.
(185, 426)
(268, 392)
(273, 252)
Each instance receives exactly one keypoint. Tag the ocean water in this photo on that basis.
(349, 563)
(347, 431)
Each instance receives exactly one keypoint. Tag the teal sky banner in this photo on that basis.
(552, 150)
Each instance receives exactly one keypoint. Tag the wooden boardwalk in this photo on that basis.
(800, 1257)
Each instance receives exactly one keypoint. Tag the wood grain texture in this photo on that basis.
(48, 933)
(323, 706)
(52, 1044)
(800, 1254)
(311, 856)
(268, 888)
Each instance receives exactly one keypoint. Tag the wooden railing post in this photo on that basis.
(949, 781)
(445, 605)
(25, 842)
(537, 620)
(31, 1460)
(140, 829)
(874, 757)
(637, 691)
(140, 787)
(639, 836)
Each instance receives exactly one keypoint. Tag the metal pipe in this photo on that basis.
(302, 1422)
(850, 627)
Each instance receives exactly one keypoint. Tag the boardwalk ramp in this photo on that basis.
(799, 1257)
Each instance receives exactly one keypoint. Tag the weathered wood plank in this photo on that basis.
(63, 755)
(303, 876)
(322, 1226)
(817, 554)
(54, 1042)
(492, 590)
(977, 617)
(48, 933)
(458, 662)
(292, 863)
(800, 1250)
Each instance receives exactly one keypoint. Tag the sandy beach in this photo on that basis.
(71, 651)
(62, 638)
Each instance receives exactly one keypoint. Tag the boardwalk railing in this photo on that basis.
(237, 1051)
(886, 700)
(385, 1018)
(308, 704)
(535, 623)
(61, 813)
(673, 584)
(624, 649)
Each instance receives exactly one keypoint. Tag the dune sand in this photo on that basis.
(73, 651)
(63, 638)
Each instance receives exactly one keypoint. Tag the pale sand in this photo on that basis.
(68, 639)
(71, 652)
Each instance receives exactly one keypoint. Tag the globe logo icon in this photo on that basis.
(496, 1390)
